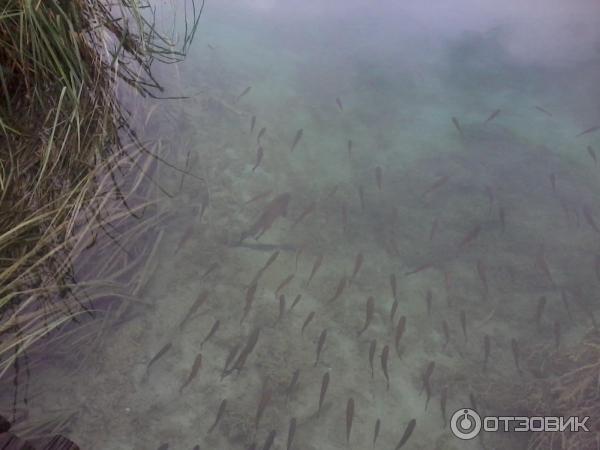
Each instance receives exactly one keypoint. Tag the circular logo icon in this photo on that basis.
(465, 424)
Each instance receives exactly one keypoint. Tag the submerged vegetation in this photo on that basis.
(73, 173)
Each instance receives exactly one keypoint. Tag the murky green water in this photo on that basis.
(497, 213)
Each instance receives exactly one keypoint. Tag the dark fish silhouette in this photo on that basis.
(409, 430)
(393, 310)
(159, 355)
(349, 417)
(399, 333)
(340, 288)
(259, 157)
(592, 154)
(370, 308)
(230, 357)
(249, 300)
(339, 103)
(458, 127)
(492, 116)
(252, 123)
(270, 440)
(293, 383)
(270, 261)
(281, 307)
(421, 268)
(195, 369)
(320, 345)
(315, 267)
(284, 283)
(194, 308)
(275, 209)
(310, 317)
(220, 413)
(384, 365)
(261, 133)
(350, 148)
(211, 333)
(443, 401)
(481, 271)
(324, 385)
(372, 348)
(247, 350)
(393, 286)
(427, 375)
(539, 108)
(589, 130)
(357, 265)
(296, 139)
(470, 236)
(436, 185)
(295, 302)
(379, 177)
(309, 210)
(214, 266)
(376, 430)
(291, 433)
(244, 92)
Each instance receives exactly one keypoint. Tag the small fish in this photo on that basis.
(247, 350)
(291, 433)
(310, 317)
(270, 440)
(463, 323)
(384, 364)
(295, 302)
(350, 144)
(419, 269)
(481, 271)
(214, 266)
(372, 348)
(589, 217)
(361, 196)
(427, 375)
(194, 308)
(284, 283)
(293, 383)
(393, 310)
(340, 288)
(315, 267)
(230, 357)
(261, 133)
(339, 104)
(309, 210)
(320, 345)
(539, 311)
(378, 177)
(296, 139)
(244, 92)
(492, 116)
(502, 217)
(443, 401)
(298, 253)
(195, 369)
(249, 300)
(276, 208)
(265, 399)
(409, 429)
(515, 351)
(589, 130)
(349, 417)
(458, 127)
(557, 334)
(592, 154)
(552, 177)
(486, 351)
(434, 227)
(436, 185)
(470, 236)
(211, 333)
(446, 330)
(212, 47)
(393, 285)
(357, 265)
(281, 307)
(400, 327)
(324, 384)
(259, 196)
(369, 314)
(159, 355)
(473, 401)
(429, 301)
(539, 108)
(252, 123)
(220, 413)
(376, 430)
(259, 157)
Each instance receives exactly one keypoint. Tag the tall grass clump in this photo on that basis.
(76, 203)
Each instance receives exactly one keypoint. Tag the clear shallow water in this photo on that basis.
(473, 203)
